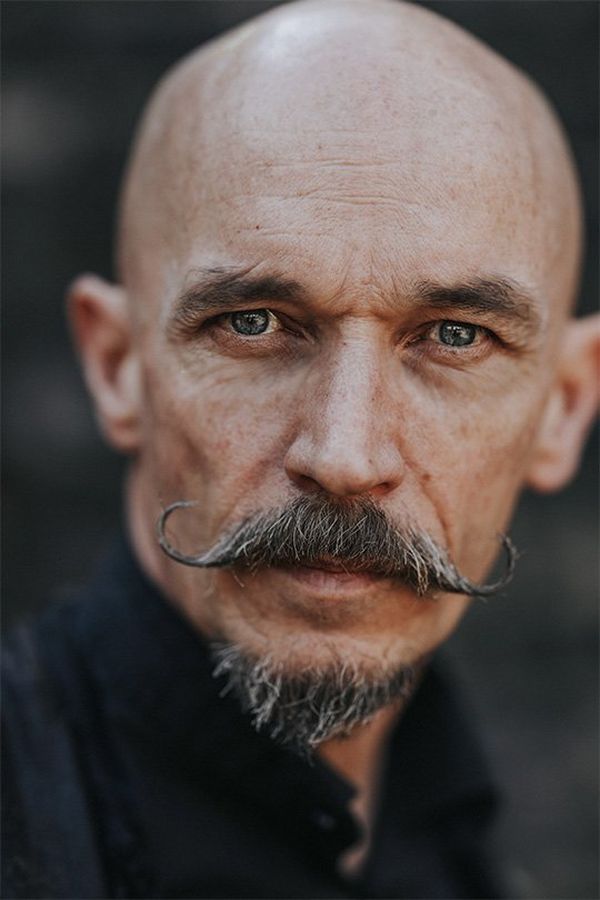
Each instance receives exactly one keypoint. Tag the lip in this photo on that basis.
(332, 580)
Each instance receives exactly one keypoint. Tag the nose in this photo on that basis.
(345, 443)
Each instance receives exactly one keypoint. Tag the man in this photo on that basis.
(340, 345)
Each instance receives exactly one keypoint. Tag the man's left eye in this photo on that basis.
(248, 322)
(456, 334)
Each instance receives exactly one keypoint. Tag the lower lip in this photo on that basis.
(327, 582)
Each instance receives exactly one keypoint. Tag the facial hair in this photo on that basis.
(306, 707)
(303, 709)
(356, 535)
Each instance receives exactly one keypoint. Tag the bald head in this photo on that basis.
(351, 107)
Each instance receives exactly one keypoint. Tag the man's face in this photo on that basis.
(354, 312)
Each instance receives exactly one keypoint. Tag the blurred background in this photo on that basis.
(75, 77)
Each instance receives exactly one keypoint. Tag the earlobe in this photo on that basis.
(570, 408)
(103, 335)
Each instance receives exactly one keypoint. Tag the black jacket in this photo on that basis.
(126, 774)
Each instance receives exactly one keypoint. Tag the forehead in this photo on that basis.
(386, 170)
(341, 202)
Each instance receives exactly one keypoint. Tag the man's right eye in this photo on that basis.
(249, 322)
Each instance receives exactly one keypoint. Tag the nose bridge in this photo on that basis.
(352, 396)
(345, 442)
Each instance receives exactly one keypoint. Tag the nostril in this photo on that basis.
(304, 482)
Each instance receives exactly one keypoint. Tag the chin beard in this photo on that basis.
(303, 708)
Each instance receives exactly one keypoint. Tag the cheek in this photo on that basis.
(471, 463)
(214, 436)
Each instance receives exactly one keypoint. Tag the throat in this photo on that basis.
(360, 759)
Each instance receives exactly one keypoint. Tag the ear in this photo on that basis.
(103, 335)
(570, 409)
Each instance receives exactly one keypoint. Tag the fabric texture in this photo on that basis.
(127, 774)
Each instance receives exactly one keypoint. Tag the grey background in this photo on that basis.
(75, 77)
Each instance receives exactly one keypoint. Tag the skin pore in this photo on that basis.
(349, 245)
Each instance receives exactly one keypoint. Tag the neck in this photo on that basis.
(360, 759)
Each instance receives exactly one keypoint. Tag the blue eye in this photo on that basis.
(457, 334)
(250, 321)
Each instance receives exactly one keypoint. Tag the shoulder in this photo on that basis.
(46, 823)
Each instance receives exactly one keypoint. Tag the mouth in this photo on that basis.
(333, 578)
(324, 565)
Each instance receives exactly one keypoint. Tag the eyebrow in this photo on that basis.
(220, 289)
(502, 298)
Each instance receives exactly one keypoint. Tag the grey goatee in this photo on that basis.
(304, 709)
